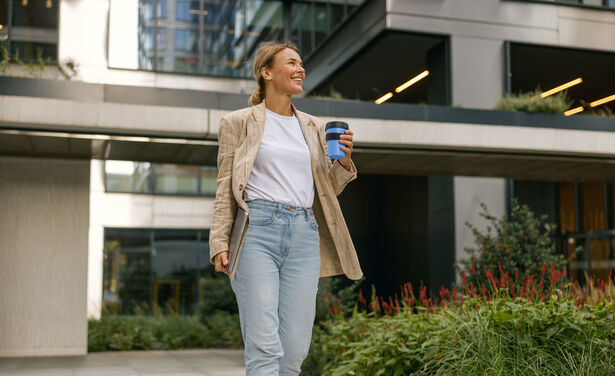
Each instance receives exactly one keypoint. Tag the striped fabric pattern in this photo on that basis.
(239, 137)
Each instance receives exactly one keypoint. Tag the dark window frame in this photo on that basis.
(9, 41)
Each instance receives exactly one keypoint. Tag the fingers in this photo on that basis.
(346, 141)
(220, 261)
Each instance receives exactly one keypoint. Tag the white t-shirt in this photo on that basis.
(282, 171)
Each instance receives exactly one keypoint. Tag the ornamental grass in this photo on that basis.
(541, 324)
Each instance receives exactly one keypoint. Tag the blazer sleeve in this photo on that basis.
(224, 203)
(339, 177)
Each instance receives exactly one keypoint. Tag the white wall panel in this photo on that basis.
(470, 192)
(43, 256)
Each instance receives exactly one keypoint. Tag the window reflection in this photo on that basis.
(146, 271)
(159, 178)
(176, 179)
(208, 180)
(216, 37)
(126, 176)
(36, 13)
(34, 29)
(4, 15)
(127, 263)
(187, 11)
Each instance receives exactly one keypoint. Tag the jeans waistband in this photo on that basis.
(277, 206)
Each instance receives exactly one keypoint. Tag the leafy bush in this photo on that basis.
(503, 336)
(163, 332)
(218, 296)
(121, 333)
(517, 246)
(532, 102)
(335, 295)
(507, 327)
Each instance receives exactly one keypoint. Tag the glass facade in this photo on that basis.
(583, 213)
(29, 28)
(216, 37)
(146, 271)
(158, 178)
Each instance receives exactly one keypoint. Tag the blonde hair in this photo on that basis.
(263, 59)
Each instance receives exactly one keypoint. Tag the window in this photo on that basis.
(122, 176)
(187, 11)
(33, 26)
(176, 179)
(219, 38)
(583, 213)
(155, 178)
(609, 3)
(313, 21)
(185, 40)
(149, 270)
(153, 12)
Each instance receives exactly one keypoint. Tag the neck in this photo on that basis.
(280, 104)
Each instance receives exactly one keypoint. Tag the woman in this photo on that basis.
(272, 162)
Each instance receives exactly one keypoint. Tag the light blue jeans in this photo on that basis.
(275, 285)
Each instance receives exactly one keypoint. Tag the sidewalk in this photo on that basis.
(131, 363)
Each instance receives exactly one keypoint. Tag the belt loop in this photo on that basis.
(278, 210)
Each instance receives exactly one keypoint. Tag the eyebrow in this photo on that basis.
(293, 59)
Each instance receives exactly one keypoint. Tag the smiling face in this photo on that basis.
(285, 76)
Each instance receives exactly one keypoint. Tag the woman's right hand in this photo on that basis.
(221, 261)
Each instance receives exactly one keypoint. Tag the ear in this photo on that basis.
(265, 74)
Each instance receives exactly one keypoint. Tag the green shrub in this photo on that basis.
(335, 294)
(224, 330)
(163, 332)
(217, 296)
(532, 102)
(518, 245)
(501, 336)
(121, 333)
(181, 332)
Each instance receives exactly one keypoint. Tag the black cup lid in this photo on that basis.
(336, 124)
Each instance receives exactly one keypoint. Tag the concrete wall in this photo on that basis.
(43, 256)
(84, 37)
(133, 211)
(470, 192)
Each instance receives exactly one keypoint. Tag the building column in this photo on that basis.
(477, 71)
(470, 192)
(44, 224)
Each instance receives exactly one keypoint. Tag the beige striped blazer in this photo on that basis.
(239, 138)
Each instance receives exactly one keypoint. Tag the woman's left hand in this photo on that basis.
(346, 141)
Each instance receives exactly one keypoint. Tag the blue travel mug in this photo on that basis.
(333, 130)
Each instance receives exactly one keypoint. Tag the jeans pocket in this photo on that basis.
(260, 217)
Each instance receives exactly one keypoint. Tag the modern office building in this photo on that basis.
(107, 179)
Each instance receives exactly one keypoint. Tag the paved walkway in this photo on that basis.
(131, 363)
